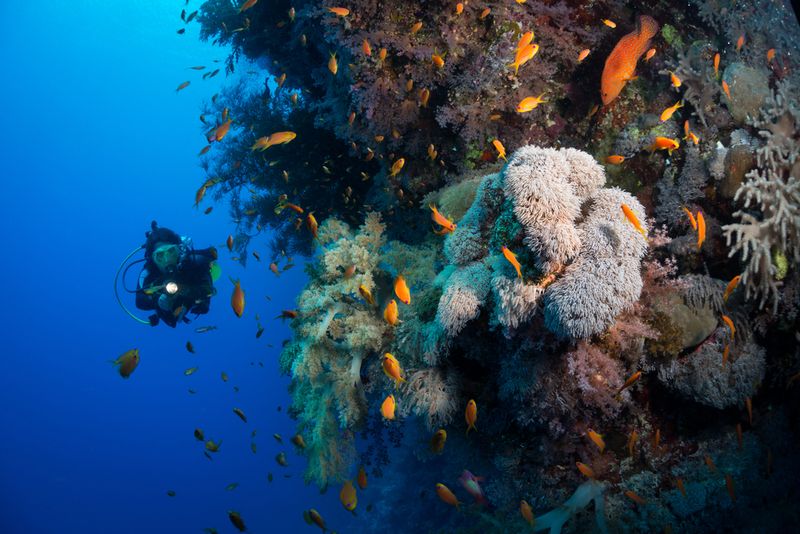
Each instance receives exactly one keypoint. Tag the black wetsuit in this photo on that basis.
(192, 276)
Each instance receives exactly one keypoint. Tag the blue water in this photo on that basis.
(95, 144)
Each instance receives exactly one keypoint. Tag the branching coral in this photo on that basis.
(770, 218)
(333, 334)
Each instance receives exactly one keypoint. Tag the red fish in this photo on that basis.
(621, 63)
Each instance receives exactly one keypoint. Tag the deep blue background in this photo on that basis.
(94, 144)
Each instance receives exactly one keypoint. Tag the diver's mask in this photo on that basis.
(166, 258)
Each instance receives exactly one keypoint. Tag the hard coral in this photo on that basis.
(770, 218)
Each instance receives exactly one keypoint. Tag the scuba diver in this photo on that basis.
(175, 280)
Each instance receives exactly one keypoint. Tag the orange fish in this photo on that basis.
(446, 224)
(237, 299)
(524, 55)
(397, 166)
(274, 268)
(634, 437)
(316, 518)
(679, 483)
(446, 495)
(749, 405)
(710, 463)
(424, 96)
(204, 150)
(634, 220)
(729, 479)
(512, 259)
(635, 498)
(585, 470)
(438, 440)
(609, 23)
(247, 5)
(525, 40)
(348, 497)
(382, 54)
(390, 313)
(630, 381)
(740, 42)
(362, 478)
(729, 323)
(339, 11)
(597, 439)
(417, 26)
(391, 368)
(701, 229)
(770, 55)
(485, 13)
(527, 513)
(649, 55)
(333, 65)
(365, 293)
(664, 143)
(657, 439)
(276, 138)
(667, 113)
(281, 79)
(582, 54)
(294, 207)
(674, 80)
(387, 408)
(459, 8)
(731, 287)
(198, 196)
(471, 415)
(287, 314)
(127, 363)
(501, 150)
(620, 65)
(725, 353)
(311, 224)
(366, 48)
(438, 61)
(739, 434)
(692, 220)
(530, 103)
(401, 290)
(432, 152)
(222, 130)
(182, 86)
(726, 89)
(615, 159)
(229, 243)
(716, 65)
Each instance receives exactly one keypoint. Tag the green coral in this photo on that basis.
(781, 263)
(672, 37)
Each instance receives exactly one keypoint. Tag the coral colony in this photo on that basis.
(555, 244)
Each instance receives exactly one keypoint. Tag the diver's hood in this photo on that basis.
(166, 256)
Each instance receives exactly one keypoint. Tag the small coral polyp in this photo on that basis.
(587, 253)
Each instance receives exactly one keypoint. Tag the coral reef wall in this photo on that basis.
(588, 306)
